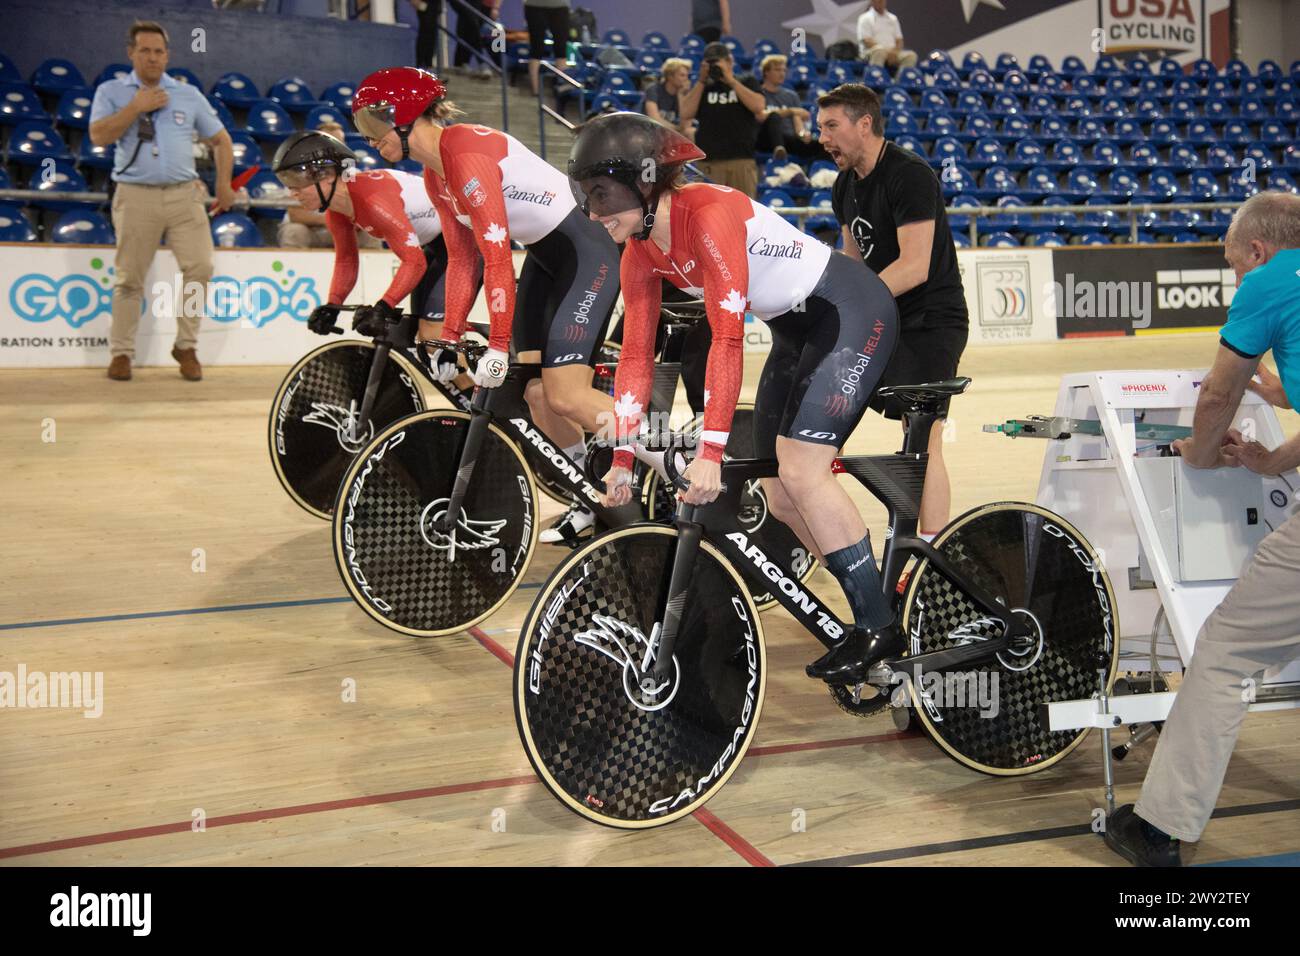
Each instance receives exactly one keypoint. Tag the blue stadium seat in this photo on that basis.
(1087, 86)
(947, 148)
(655, 40)
(960, 240)
(1217, 111)
(1286, 111)
(84, 226)
(1066, 153)
(1221, 88)
(1051, 129)
(982, 81)
(1183, 157)
(910, 78)
(1204, 69)
(1014, 129)
(1176, 221)
(1274, 133)
(267, 120)
(1017, 83)
(968, 101)
(691, 43)
(998, 181)
(1203, 185)
(14, 226)
(1144, 155)
(1182, 108)
(1219, 157)
(877, 77)
(4, 178)
(73, 110)
(223, 114)
(1093, 239)
(1146, 110)
(1153, 87)
(18, 103)
(368, 158)
(1252, 89)
(1163, 133)
(236, 90)
(56, 75)
(1188, 237)
(94, 157)
(1162, 186)
(895, 98)
(821, 199)
(265, 185)
(956, 179)
(957, 221)
(1236, 69)
(908, 142)
(972, 61)
(1080, 184)
(1039, 105)
(939, 125)
(1039, 183)
(9, 71)
(247, 152)
(979, 126)
(1200, 133)
(293, 94)
(1123, 184)
(1170, 68)
(1107, 65)
(901, 121)
(1105, 155)
(1261, 154)
(64, 179)
(1279, 179)
(114, 71)
(1027, 153)
(1038, 65)
(1053, 85)
(934, 101)
(1089, 129)
(1291, 157)
(1252, 111)
(1004, 104)
(1006, 62)
(649, 60)
(944, 79)
(1001, 240)
(1053, 221)
(189, 77)
(617, 37)
(326, 113)
(339, 95)
(1269, 71)
(34, 141)
(234, 230)
(1050, 239)
(1072, 66)
(987, 152)
(937, 60)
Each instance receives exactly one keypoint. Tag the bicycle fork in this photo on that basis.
(480, 418)
(656, 669)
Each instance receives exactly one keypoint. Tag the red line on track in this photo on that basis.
(1095, 335)
(747, 851)
(499, 652)
(827, 744)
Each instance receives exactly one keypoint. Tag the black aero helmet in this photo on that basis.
(311, 157)
(632, 150)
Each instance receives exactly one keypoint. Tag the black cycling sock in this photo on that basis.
(855, 568)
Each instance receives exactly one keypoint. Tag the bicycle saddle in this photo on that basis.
(927, 394)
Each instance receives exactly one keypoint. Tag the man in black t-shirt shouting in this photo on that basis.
(891, 211)
(730, 110)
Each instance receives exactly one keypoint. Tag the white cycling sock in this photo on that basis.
(578, 453)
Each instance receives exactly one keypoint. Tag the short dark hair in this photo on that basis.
(717, 51)
(146, 26)
(857, 101)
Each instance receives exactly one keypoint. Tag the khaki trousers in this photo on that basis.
(741, 174)
(879, 56)
(142, 215)
(1255, 627)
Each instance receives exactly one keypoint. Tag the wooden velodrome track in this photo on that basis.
(223, 688)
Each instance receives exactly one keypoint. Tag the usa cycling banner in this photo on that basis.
(56, 305)
(1005, 295)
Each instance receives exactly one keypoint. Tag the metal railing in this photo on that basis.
(544, 111)
(498, 31)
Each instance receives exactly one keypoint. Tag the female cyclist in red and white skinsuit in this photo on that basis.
(390, 205)
(489, 189)
(834, 326)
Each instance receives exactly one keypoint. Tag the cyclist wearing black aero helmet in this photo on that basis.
(320, 172)
(489, 189)
(834, 326)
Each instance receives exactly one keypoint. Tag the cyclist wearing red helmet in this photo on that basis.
(320, 172)
(834, 326)
(489, 190)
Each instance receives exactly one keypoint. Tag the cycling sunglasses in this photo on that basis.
(374, 122)
(296, 177)
(605, 196)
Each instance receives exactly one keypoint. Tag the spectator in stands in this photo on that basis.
(730, 110)
(787, 128)
(661, 99)
(711, 19)
(469, 30)
(543, 15)
(891, 212)
(880, 37)
(1254, 628)
(305, 228)
(153, 120)
(428, 13)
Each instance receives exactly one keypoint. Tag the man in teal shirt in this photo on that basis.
(1257, 625)
(152, 120)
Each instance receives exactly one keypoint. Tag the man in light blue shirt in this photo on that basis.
(1257, 625)
(152, 120)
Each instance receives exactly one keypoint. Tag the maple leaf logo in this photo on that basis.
(734, 302)
(412, 239)
(627, 406)
(495, 233)
(707, 396)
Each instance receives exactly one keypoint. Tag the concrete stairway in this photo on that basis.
(481, 101)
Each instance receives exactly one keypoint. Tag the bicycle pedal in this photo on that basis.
(880, 675)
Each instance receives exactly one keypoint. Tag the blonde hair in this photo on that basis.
(769, 62)
(442, 112)
(674, 63)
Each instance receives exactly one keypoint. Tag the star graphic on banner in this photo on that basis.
(833, 22)
(968, 6)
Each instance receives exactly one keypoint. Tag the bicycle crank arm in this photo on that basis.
(949, 658)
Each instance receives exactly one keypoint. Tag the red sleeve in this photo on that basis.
(718, 243)
(461, 281)
(634, 377)
(491, 232)
(345, 256)
(377, 199)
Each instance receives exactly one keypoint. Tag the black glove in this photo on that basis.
(323, 318)
(374, 320)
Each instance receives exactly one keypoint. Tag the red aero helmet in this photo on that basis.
(394, 99)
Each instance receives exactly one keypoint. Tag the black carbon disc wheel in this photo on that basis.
(607, 749)
(776, 539)
(990, 716)
(396, 563)
(312, 433)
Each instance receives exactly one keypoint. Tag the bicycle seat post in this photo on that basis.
(920, 421)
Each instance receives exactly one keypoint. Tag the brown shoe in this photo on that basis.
(119, 370)
(191, 370)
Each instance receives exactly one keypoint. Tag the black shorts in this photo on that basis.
(539, 20)
(428, 298)
(826, 360)
(566, 292)
(923, 355)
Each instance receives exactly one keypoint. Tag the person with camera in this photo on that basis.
(153, 120)
(730, 109)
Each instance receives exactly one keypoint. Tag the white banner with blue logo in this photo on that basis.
(56, 305)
